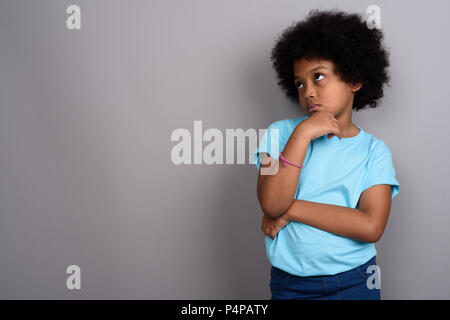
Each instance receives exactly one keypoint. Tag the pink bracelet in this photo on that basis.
(284, 162)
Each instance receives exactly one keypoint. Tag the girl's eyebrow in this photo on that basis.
(314, 69)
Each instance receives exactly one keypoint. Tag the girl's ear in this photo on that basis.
(357, 86)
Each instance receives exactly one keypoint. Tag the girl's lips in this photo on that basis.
(313, 108)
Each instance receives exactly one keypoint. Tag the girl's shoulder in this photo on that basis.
(376, 144)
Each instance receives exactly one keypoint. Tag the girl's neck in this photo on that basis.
(349, 129)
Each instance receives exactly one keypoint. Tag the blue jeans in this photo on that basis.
(348, 285)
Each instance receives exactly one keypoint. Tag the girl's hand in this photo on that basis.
(319, 123)
(271, 227)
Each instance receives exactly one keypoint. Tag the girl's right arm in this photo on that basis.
(276, 192)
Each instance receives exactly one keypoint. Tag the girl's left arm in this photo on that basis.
(366, 223)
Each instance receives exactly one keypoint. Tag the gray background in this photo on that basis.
(85, 123)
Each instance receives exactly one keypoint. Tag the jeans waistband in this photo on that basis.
(364, 266)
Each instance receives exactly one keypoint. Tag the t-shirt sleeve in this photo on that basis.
(271, 142)
(381, 169)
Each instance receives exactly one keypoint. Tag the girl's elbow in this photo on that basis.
(374, 234)
(273, 208)
(372, 239)
(271, 212)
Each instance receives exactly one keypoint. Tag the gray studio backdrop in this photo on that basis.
(86, 118)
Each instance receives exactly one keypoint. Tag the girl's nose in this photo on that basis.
(309, 93)
(309, 96)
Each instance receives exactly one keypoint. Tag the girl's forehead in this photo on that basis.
(305, 63)
(303, 66)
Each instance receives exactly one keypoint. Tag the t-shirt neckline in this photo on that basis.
(336, 140)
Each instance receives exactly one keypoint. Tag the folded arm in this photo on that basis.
(366, 223)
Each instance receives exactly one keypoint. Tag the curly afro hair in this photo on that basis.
(343, 38)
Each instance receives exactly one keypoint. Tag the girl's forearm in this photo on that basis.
(343, 221)
(277, 190)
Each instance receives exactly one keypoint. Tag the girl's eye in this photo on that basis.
(299, 84)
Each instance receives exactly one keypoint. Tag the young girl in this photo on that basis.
(329, 200)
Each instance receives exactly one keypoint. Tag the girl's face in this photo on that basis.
(317, 84)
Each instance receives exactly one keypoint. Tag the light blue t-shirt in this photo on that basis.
(334, 172)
